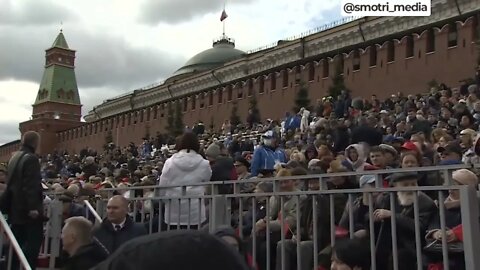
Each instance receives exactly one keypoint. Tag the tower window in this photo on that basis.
(390, 51)
(210, 98)
(229, 93)
(185, 104)
(452, 35)
(356, 60)
(273, 81)
(194, 102)
(250, 87)
(430, 41)
(285, 78)
(409, 47)
(373, 55)
(261, 84)
(202, 100)
(311, 71)
(220, 95)
(341, 63)
(326, 67)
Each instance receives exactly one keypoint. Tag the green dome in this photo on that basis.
(223, 51)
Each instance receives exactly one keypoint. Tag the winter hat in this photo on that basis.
(266, 187)
(465, 177)
(389, 149)
(213, 151)
(399, 177)
(200, 249)
(366, 179)
(313, 162)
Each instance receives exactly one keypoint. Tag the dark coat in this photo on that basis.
(323, 220)
(360, 216)
(24, 188)
(222, 170)
(86, 257)
(112, 239)
(405, 226)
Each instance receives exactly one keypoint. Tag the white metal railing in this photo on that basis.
(13, 245)
(91, 211)
(219, 207)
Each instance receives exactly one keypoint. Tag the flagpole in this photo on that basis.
(224, 3)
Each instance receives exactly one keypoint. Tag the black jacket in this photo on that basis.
(222, 170)
(322, 223)
(86, 257)
(405, 224)
(112, 239)
(24, 188)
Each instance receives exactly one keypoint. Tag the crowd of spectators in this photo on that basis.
(341, 134)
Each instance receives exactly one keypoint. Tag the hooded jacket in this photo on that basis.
(361, 163)
(179, 250)
(183, 169)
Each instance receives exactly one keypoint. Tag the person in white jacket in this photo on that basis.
(184, 168)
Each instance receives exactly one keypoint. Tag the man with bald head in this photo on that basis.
(118, 227)
(83, 251)
(22, 200)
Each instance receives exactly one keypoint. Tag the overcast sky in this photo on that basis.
(123, 45)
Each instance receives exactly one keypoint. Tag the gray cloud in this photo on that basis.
(102, 60)
(34, 12)
(10, 132)
(175, 11)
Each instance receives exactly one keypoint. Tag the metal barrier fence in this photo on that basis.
(284, 242)
(7, 239)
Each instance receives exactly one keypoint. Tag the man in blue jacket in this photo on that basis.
(267, 155)
(292, 122)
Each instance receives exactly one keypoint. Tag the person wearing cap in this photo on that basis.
(390, 154)
(267, 155)
(222, 166)
(450, 154)
(405, 223)
(360, 208)
(467, 138)
(70, 207)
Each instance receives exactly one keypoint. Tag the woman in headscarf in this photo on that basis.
(356, 159)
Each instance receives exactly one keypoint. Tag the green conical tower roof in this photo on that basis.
(60, 41)
(59, 83)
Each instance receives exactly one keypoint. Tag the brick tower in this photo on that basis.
(57, 106)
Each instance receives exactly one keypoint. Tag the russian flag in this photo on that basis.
(223, 16)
